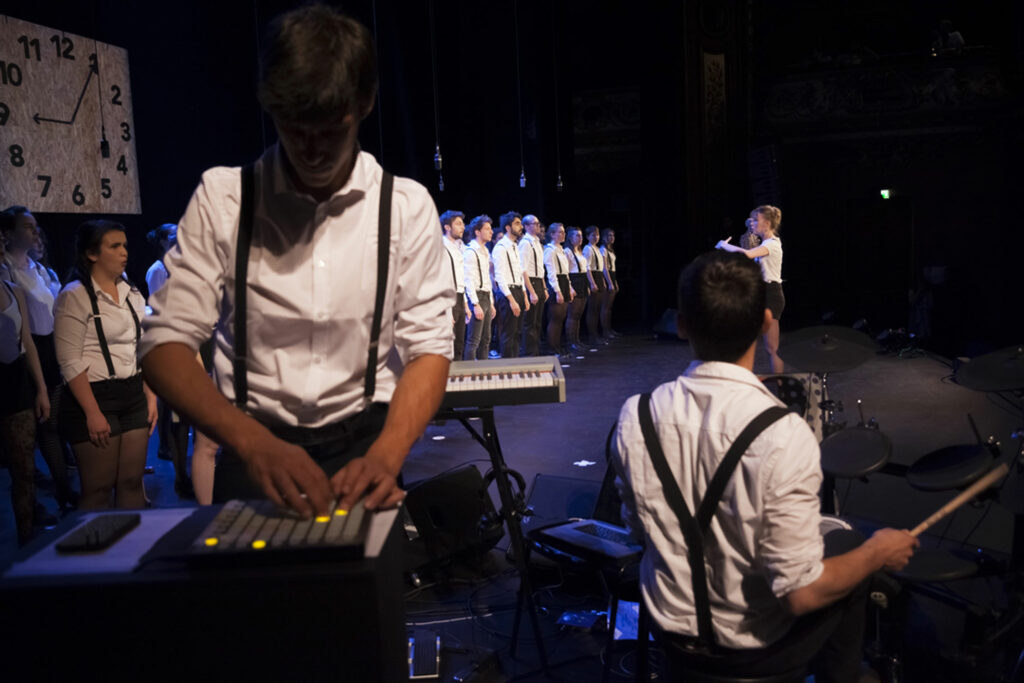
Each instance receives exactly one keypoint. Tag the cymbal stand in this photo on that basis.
(829, 409)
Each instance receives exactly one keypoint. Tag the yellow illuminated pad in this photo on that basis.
(323, 518)
(259, 544)
(211, 541)
(341, 513)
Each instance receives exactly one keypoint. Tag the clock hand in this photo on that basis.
(37, 118)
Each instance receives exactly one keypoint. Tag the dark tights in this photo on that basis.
(18, 434)
(556, 318)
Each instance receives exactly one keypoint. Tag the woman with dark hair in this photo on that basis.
(113, 412)
(23, 400)
(560, 294)
(21, 233)
(765, 221)
(599, 278)
(163, 238)
(582, 284)
(608, 251)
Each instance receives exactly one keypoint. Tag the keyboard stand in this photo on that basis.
(513, 508)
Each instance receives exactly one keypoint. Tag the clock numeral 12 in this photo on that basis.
(69, 46)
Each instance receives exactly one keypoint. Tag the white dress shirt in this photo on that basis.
(312, 284)
(556, 263)
(531, 255)
(577, 262)
(78, 347)
(458, 268)
(609, 257)
(508, 269)
(764, 541)
(35, 284)
(156, 276)
(595, 259)
(771, 263)
(477, 270)
(10, 329)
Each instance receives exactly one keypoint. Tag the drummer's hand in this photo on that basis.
(368, 475)
(287, 475)
(894, 547)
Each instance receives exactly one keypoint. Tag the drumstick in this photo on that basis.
(971, 491)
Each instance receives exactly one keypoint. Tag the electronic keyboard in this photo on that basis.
(504, 381)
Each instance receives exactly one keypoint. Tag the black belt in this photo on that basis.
(343, 429)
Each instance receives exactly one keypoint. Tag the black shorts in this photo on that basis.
(47, 360)
(19, 390)
(598, 276)
(122, 401)
(775, 299)
(615, 280)
(580, 284)
(563, 286)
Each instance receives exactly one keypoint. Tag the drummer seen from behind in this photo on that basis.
(316, 426)
(777, 600)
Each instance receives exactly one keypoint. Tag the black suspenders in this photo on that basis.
(479, 268)
(695, 528)
(244, 243)
(99, 329)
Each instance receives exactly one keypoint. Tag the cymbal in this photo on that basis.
(825, 348)
(1001, 370)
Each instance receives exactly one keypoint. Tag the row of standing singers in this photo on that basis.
(527, 273)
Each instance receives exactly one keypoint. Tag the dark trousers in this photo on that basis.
(478, 338)
(331, 447)
(509, 325)
(533, 319)
(828, 640)
(459, 320)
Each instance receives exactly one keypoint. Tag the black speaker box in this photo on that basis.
(453, 516)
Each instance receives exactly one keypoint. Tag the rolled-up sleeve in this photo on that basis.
(186, 309)
(69, 321)
(791, 544)
(425, 294)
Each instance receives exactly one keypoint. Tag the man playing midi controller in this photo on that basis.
(334, 351)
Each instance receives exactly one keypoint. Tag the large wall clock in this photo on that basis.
(67, 135)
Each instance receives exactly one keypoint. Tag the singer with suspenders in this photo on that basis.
(323, 283)
(722, 482)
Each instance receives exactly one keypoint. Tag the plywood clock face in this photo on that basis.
(67, 134)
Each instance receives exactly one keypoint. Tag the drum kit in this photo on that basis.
(858, 451)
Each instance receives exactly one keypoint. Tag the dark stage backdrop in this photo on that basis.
(649, 111)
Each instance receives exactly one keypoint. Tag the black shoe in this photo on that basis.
(148, 470)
